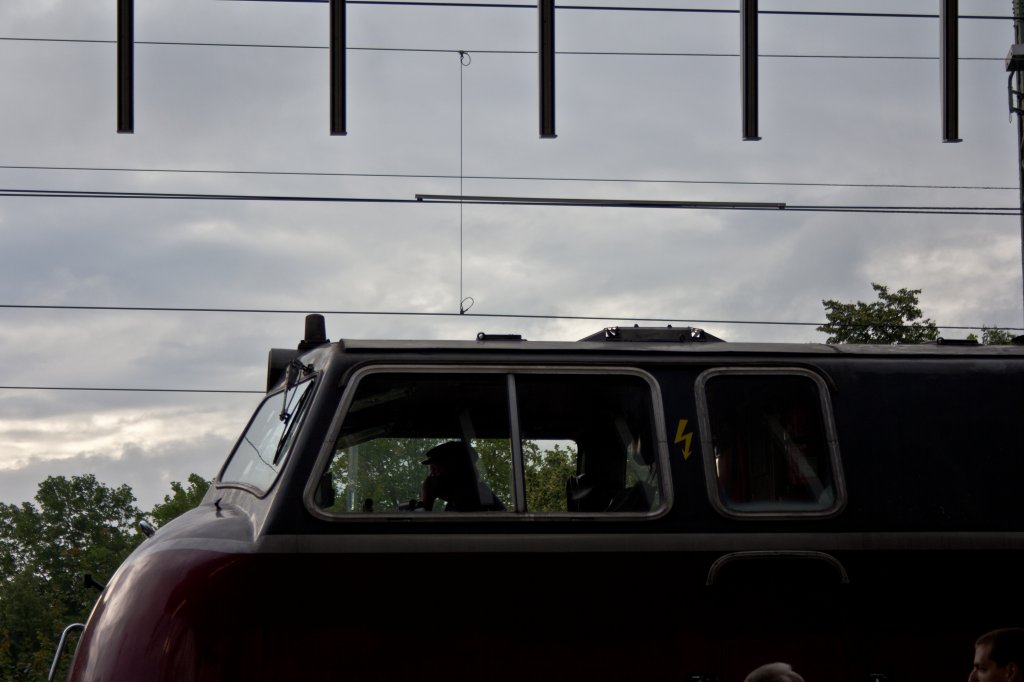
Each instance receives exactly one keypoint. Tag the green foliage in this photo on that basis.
(546, 472)
(495, 465)
(26, 617)
(388, 471)
(994, 336)
(893, 318)
(385, 470)
(180, 500)
(77, 526)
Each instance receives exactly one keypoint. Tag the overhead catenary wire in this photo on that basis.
(438, 314)
(522, 178)
(612, 53)
(462, 314)
(591, 8)
(950, 210)
(641, 8)
(710, 205)
(518, 201)
(128, 389)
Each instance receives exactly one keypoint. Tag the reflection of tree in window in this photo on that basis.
(385, 470)
(395, 418)
(495, 464)
(582, 435)
(546, 470)
(586, 443)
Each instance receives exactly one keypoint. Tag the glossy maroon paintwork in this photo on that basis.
(175, 613)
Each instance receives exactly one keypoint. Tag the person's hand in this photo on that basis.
(429, 490)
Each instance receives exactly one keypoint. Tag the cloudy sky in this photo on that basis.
(231, 97)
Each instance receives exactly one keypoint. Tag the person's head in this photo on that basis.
(451, 467)
(999, 656)
(774, 672)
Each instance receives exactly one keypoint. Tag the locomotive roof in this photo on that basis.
(637, 341)
(941, 349)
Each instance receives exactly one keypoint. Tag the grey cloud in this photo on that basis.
(149, 474)
(618, 117)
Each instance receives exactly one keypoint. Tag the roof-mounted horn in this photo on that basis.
(316, 332)
(279, 358)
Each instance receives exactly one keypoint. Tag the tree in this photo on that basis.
(388, 472)
(385, 470)
(77, 526)
(180, 500)
(546, 471)
(893, 318)
(994, 336)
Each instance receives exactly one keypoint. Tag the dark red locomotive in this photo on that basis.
(645, 503)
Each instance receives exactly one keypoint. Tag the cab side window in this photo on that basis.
(589, 436)
(400, 428)
(767, 441)
(519, 443)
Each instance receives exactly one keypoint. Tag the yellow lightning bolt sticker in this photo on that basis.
(684, 438)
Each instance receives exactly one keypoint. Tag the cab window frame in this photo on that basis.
(515, 512)
(824, 403)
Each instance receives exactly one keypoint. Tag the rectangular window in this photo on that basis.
(587, 443)
(422, 442)
(769, 445)
(521, 442)
(262, 449)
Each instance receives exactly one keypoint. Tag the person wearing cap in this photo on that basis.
(453, 478)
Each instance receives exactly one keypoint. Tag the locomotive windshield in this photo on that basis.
(261, 451)
(505, 443)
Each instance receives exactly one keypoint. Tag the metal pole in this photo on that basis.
(949, 67)
(1018, 100)
(125, 66)
(748, 67)
(337, 69)
(546, 14)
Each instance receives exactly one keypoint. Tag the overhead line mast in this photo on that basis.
(126, 66)
(1015, 65)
